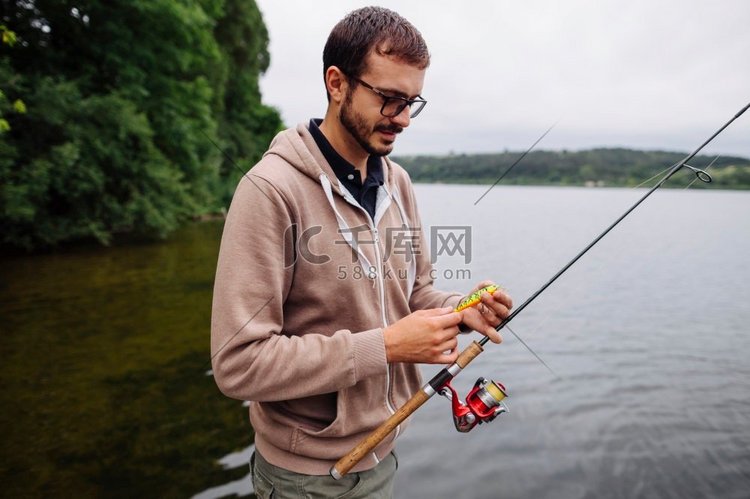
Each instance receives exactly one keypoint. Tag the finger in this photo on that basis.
(447, 358)
(448, 320)
(503, 298)
(499, 309)
(450, 345)
(483, 284)
(490, 317)
(493, 335)
(486, 312)
(441, 346)
(434, 312)
(440, 311)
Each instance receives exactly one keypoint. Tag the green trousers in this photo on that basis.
(270, 481)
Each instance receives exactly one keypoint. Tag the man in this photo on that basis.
(317, 318)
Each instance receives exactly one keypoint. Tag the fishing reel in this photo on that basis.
(483, 404)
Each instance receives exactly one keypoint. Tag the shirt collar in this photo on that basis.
(344, 170)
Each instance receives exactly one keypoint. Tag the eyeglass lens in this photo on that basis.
(394, 107)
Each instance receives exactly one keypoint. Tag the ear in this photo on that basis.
(336, 84)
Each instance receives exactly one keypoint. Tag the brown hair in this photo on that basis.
(373, 28)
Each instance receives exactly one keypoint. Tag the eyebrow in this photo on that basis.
(397, 93)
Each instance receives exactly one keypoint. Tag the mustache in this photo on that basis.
(390, 128)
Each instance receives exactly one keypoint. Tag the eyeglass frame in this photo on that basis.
(404, 101)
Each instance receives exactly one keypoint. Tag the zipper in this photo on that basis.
(381, 294)
(379, 273)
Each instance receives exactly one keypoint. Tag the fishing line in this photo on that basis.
(533, 352)
(515, 163)
(654, 176)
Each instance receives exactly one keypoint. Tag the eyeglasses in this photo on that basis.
(392, 105)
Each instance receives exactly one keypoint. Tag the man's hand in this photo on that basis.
(425, 336)
(489, 313)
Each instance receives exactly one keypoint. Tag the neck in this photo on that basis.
(344, 144)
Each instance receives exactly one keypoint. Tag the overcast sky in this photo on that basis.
(659, 74)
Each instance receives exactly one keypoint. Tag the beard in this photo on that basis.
(362, 131)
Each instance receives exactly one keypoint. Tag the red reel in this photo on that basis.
(483, 404)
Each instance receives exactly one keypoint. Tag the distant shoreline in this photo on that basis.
(667, 185)
(603, 167)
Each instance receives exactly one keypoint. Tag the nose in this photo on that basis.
(402, 119)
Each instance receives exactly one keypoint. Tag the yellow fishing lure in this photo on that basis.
(475, 297)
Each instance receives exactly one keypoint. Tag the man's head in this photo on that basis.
(373, 30)
(374, 65)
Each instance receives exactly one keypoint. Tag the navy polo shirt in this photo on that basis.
(366, 193)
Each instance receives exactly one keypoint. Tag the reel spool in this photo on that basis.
(483, 404)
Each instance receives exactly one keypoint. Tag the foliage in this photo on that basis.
(8, 38)
(598, 167)
(125, 104)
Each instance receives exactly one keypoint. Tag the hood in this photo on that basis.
(298, 148)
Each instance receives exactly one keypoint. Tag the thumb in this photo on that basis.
(439, 311)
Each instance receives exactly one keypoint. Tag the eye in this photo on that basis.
(393, 106)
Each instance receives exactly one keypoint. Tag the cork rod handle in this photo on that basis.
(366, 446)
(346, 463)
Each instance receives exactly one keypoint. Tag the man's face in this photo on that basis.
(360, 110)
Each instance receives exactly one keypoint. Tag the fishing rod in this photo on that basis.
(485, 400)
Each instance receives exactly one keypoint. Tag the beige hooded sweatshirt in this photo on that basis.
(305, 284)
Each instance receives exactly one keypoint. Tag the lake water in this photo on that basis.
(648, 333)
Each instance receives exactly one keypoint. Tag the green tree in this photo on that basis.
(126, 99)
(7, 37)
(244, 127)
